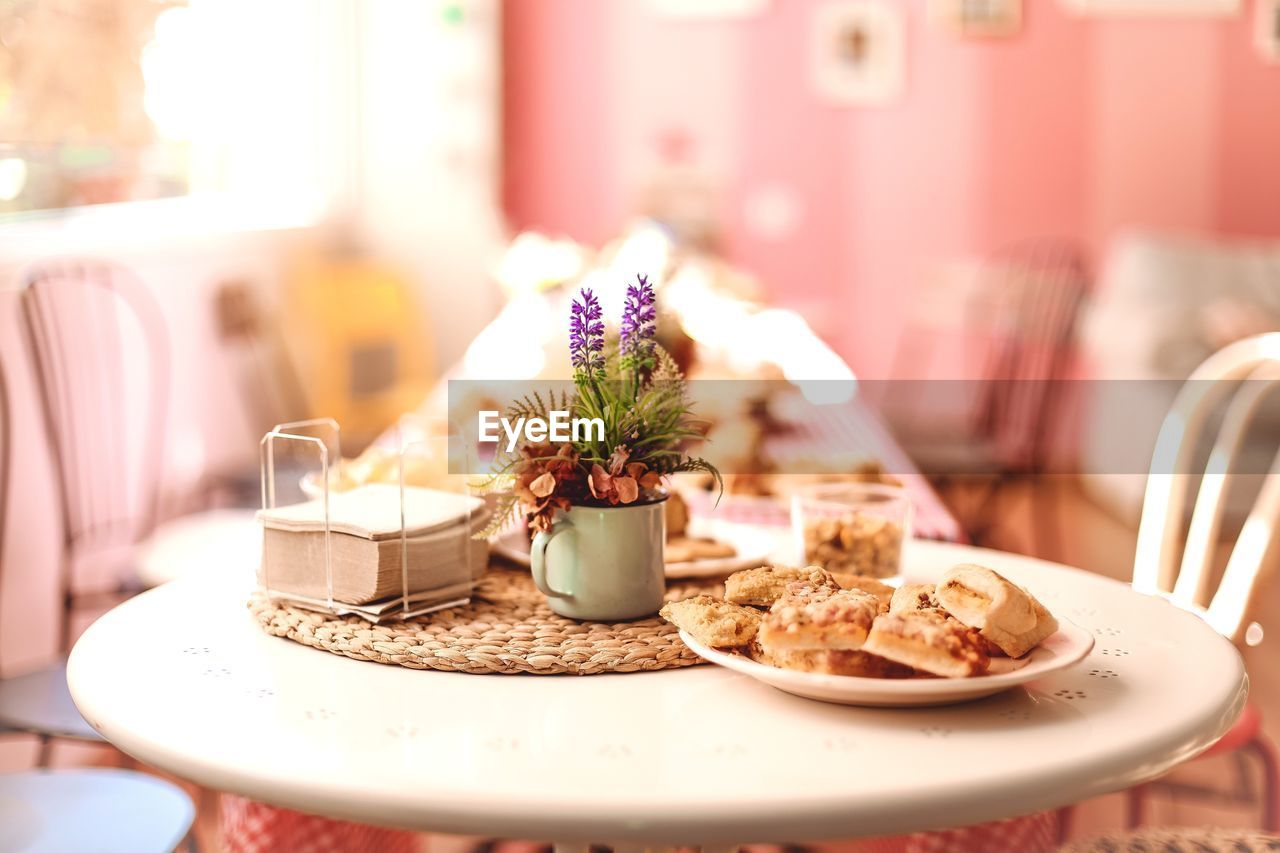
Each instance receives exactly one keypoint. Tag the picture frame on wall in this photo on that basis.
(708, 10)
(858, 52)
(1165, 8)
(978, 18)
(1266, 30)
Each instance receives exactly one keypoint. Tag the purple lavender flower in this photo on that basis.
(586, 336)
(639, 323)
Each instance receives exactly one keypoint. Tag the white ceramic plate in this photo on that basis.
(1064, 649)
(752, 548)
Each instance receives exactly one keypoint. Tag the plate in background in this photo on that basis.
(753, 548)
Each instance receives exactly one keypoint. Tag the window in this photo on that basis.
(123, 100)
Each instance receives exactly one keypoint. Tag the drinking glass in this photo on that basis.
(852, 528)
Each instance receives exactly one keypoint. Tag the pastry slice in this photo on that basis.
(882, 591)
(916, 598)
(677, 551)
(929, 643)
(1007, 615)
(763, 586)
(713, 622)
(677, 513)
(923, 598)
(818, 617)
(683, 549)
(860, 664)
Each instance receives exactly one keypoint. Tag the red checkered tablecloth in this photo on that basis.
(252, 827)
(852, 430)
(1037, 833)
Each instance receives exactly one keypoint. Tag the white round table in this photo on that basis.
(202, 543)
(181, 678)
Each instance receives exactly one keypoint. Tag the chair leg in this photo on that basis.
(1065, 815)
(68, 610)
(1266, 755)
(44, 752)
(983, 526)
(1136, 810)
(1044, 517)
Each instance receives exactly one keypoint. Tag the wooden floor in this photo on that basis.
(1083, 536)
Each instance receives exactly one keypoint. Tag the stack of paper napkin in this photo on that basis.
(364, 544)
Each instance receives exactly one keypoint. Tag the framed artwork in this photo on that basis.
(978, 18)
(1267, 30)
(708, 10)
(1167, 8)
(858, 51)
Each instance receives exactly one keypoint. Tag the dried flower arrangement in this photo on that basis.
(635, 389)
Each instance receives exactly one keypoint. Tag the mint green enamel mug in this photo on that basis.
(603, 563)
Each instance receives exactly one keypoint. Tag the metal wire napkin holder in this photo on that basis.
(321, 438)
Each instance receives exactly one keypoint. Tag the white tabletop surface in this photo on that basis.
(180, 677)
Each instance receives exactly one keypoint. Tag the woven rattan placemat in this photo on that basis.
(506, 629)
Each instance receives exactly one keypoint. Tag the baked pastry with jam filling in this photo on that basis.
(1006, 614)
(929, 642)
(818, 617)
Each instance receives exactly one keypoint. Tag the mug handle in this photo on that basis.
(538, 558)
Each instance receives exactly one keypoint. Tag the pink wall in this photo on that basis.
(1074, 128)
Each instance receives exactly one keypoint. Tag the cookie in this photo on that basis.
(763, 586)
(683, 549)
(882, 591)
(713, 622)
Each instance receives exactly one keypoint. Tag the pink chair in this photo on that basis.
(1019, 325)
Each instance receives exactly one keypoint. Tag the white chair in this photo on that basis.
(105, 810)
(36, 702)
(59, 810)
(1157, 568)
(100, 358)
(1251, 369)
